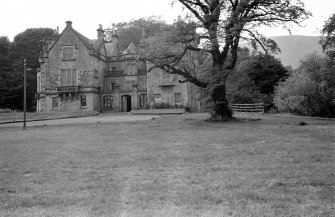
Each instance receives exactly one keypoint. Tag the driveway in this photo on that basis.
(102, 118)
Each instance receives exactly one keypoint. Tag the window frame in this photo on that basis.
(175, 98)
(83, 100)
(67, 71)
(155, 98)
(113, 68)
(68, 47)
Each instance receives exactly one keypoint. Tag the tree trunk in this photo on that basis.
(220, 109)
(220, 105)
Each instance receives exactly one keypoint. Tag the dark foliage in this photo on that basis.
(27, 44)
(133, 31)
(328, 41)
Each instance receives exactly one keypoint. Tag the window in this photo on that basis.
(177, 98)
(83, 100)
(113, 87)
(68, 77)
(112, 67)
(39, 83)
(55, 102)
(68, 53)
(158, 98)
(131, 69)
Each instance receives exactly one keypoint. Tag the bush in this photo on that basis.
(164, 105)
(310, 90)
(188, 109)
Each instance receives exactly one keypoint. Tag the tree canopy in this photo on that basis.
(215, 28)
(328, 41)
(132, 31)
(310, 90)
(254, 79)
(27, 44)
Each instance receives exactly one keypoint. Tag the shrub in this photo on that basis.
(164, 105)
(188, 109)
(310, 90)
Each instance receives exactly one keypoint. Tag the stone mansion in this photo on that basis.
(80, 74)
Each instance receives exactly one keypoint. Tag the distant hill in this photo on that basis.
(295, 48)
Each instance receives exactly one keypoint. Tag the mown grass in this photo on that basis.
(169, 166)
(18, 116)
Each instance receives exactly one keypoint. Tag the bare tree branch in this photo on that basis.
(259, 42)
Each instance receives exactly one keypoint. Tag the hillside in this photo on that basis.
(295, 48)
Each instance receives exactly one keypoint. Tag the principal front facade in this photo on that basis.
(79, 74)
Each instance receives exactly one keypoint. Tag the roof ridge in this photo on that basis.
(87, 42)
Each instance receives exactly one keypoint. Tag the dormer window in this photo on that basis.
(69, 53)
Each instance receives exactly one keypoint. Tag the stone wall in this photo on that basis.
(158, 84)
(90, 73)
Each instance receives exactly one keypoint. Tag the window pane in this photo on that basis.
(177, 98)
(71, 53)
(83, 100)
(158, 98)
(68, 78)
(62, 77)
(68, 53)
(74, 77)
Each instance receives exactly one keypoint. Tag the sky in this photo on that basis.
(18, 15)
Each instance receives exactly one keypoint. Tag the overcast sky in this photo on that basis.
(18, 15)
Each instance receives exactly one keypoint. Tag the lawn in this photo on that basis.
(171, 166)
(18, 116)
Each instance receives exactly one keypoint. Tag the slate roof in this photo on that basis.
(131, 49)
(112, 49)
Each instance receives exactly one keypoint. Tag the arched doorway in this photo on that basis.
(126, 103)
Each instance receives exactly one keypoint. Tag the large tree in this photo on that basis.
(27, 44)
(5, 69)
(328, 41)
(132, 31)
(220, 26)
(254, 79)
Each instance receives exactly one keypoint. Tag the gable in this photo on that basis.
(71, 37)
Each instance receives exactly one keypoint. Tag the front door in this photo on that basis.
(126, 103)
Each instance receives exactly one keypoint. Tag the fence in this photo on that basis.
(9, 111)
(256, 107)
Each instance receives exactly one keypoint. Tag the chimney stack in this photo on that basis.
(115, 37)
(100, 33)
(68, 24)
